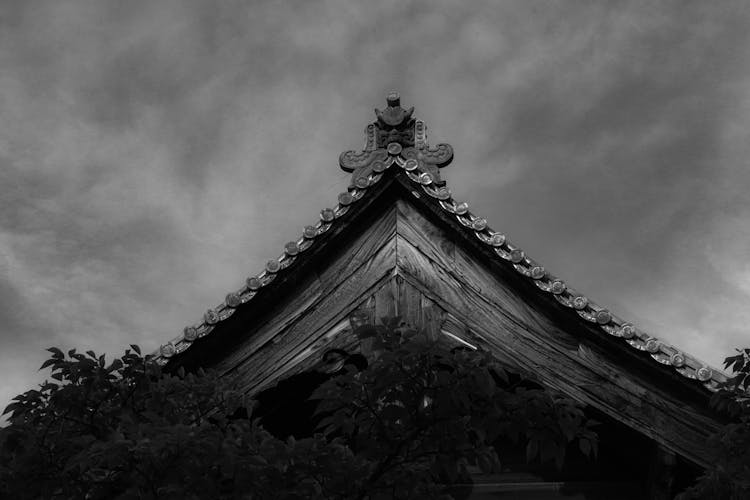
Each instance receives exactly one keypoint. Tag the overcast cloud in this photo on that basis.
(154, 154)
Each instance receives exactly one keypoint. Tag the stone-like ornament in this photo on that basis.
(233, 300)
(627, 331)
(704, 374)
(190, 333)
(396, 136)
(479, 224)
(211, 317)
(677, 359)
(537, 272)
(167, 350)
(253, 283)
(327, 215)
(652, 346)
(580, 302)
(273, 266)
(346, 198)
(516, 255)
(497, 239)
(558, 287)
(291, 249)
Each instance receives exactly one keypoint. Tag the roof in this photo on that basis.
(397, 143)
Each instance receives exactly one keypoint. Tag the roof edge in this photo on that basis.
(423, 177)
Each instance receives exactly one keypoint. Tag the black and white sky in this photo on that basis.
(153, 154)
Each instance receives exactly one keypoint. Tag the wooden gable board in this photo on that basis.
(397, 252)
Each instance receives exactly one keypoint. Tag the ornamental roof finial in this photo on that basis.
(394, 116)
(395, 133)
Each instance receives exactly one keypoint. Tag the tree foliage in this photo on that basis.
(408, 426)
(728, 477)
(422, 413)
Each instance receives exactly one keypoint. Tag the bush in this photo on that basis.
(407, 426)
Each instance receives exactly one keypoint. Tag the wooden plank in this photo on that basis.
(385, 302)
(333, 307)
(409, 303)
(474, 273)
(471, 274)
(350, 257)
(314, 289)
(439, 247)
(310, 291)
(431, 240)
(302, 334)
(431, 317)
(589, 376)
(346, 340)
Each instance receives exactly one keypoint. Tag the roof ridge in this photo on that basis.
(422, 175)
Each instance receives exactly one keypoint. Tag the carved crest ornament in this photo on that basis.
(396, 137)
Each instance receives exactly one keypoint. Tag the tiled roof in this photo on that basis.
(394, 156)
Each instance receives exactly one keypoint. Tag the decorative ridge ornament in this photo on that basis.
(394, 136)
(394, 117)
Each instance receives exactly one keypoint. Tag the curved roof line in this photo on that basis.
(510, 254)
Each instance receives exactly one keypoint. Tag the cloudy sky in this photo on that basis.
(154, 154)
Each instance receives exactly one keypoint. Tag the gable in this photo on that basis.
(398, 254)
(397, 243)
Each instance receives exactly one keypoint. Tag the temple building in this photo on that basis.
(396, 243)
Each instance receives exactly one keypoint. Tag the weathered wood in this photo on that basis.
(424, 235)
(316, 288)
(334, 306)
(386, 301)
(431, 315)
(514, 330)
(440, 248)
(310, 292)
(409, 303)
(346, 340)
(390, 295)
(486, 279)
(348, 259)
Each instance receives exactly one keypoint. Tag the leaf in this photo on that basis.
(11, 407)
(136, 349)
(47, 363)
(56, 353)
(116, 365)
